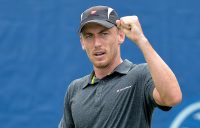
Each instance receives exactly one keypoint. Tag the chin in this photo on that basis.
(100, 64)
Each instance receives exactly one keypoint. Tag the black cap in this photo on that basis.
(103, 15)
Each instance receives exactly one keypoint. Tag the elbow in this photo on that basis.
(175, 100)
(175, 97)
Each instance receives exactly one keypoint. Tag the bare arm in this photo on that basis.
(167, 91)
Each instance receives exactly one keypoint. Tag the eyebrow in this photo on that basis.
(103, 30)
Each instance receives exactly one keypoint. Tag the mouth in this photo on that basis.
(99, 54)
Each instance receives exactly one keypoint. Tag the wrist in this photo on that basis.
(141, 41)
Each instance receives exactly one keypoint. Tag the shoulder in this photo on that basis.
(77, 84)
(74, 87)
(140, 69)
(139, 73)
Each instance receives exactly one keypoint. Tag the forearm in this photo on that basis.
(166, 84)
(167, 91)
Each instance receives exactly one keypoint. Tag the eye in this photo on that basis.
(104, 33)
(88, 36)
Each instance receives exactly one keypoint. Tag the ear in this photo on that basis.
(83, 47)
(82, 43)
(121, 36)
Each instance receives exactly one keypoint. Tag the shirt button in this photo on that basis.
(102, 82)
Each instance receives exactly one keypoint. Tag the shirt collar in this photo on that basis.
(122, 68)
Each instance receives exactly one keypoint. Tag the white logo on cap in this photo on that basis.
(109, 11)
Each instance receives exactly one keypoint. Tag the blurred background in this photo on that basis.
(40, 54)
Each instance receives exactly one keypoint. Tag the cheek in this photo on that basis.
(87, 47)
(113, 48)
(89, 52)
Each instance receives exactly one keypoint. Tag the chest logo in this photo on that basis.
(122, 89)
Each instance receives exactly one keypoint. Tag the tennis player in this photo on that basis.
(117, 93)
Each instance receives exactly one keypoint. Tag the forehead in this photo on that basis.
(93, 27)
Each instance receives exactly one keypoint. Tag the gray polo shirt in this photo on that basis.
(123, 99)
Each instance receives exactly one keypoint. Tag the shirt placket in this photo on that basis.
(98, 94)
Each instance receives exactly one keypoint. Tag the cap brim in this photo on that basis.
(100, 22)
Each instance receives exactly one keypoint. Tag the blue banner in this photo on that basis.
(40, 54)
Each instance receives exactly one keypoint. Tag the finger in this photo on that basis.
(125, 25)
(118, 23)
(125, 30)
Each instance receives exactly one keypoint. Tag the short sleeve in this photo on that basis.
(67, 120)
(149, 87)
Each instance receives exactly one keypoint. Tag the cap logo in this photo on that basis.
(93, 12)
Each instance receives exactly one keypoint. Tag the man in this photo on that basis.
(118, 93)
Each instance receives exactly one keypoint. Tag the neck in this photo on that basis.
(102, 72)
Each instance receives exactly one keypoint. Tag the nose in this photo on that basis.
(97, 42)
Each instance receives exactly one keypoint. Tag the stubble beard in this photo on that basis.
(105, 64)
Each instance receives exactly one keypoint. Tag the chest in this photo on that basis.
(108, 98)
